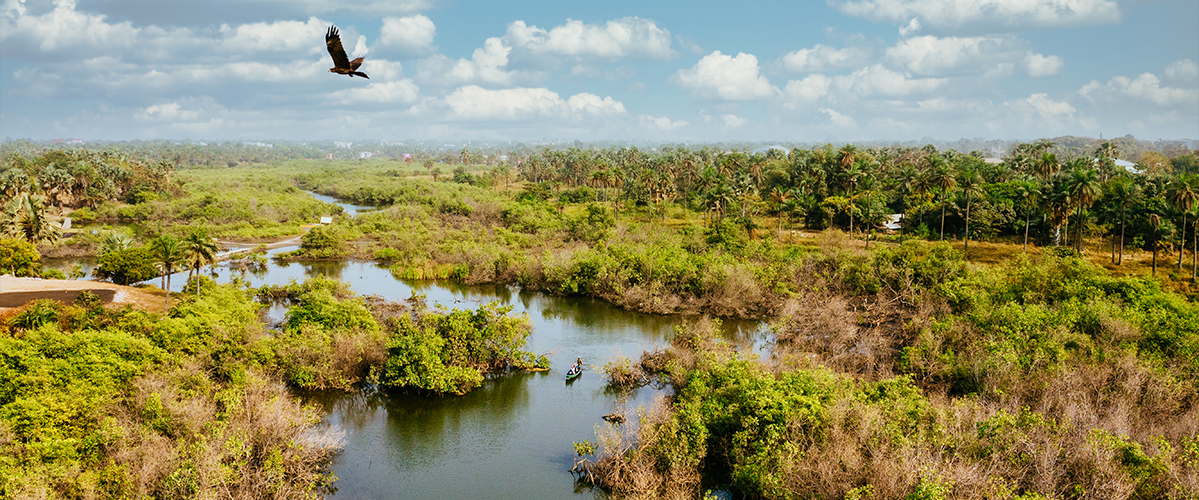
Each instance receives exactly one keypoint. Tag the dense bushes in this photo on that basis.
(114, 403)
(447, 352)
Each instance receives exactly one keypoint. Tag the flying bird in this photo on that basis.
(342, 64)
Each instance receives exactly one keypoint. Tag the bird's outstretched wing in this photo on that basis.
(356, 63)
(333, 42)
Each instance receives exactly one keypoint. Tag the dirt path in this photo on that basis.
(248, 247)
(16, 292)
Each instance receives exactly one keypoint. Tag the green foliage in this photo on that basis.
(594, 224)
(318, 306)
(728, 235)
(584, 448)
(53, 384)
(446, 352)
(19, 258)
(931, 487)
(322, 242)
(1150, 474)
(126, 266)
(37, 313)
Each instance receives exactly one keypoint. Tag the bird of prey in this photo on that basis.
(342, 64)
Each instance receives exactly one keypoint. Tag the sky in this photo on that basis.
(616, 70)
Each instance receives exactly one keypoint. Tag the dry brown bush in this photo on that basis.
(253, 440)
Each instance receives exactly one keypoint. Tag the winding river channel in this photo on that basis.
(509, 439)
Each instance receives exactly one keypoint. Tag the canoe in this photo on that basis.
(573, 373)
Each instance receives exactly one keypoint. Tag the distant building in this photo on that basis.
(364, 155)
(776, 147)
(1128, 166)
(993, 161)
(893, 222)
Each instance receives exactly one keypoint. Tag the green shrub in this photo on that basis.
(446, 353)
(126, 266)
(19, 258)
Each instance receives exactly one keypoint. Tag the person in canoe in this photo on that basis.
(575, 370)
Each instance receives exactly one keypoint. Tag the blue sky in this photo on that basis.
(699, 71)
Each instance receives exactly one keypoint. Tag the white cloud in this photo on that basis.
(1042, 114)
(911, 28)
(63, 30)
(877, 81)
(1145, 87)
(732, 78)
(823, 58)
(838, 119)
(1183, 72)
(522, 103)
(488, 64)
(395, 91)
(412, 34)
(808, 90)
(629, 37)
(930, 55)
(595, 105)
(663, 123)
(1040, 66)
(281, 36)
(170, 111)
(984, 16)
(732, 121)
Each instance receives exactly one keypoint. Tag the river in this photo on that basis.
(512, 437)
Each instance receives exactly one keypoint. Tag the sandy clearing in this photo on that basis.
(16, 292)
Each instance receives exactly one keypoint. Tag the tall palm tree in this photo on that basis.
(1029, 191)
(853, 175)
(167, 252)
(971, 184)
(1084, 188)
(1124, 192)
(847, 156)
(1155, 221)
(1182, 192)
(198, 250)
(906, 183)
(778, 200)
(941, 177)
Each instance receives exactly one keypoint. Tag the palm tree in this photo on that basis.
(1046, 165)
(1058, 206)
(853, 175)
(115, 242)
(971, 184)
(1124, 192)
(848, 156)
(1084, 188)
(1029, 191)
(1155, 221)
(1182, 192)
(167, 252)
(778, 199)
(906, 183)
(941, 177)
(199, 250)
(36, 227)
